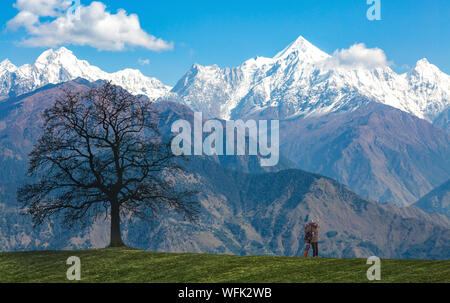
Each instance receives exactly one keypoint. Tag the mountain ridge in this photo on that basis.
(379, 151)
(298, 81)
(437, 200)
(61, 65)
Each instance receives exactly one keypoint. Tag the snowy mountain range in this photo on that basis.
(298, 81)
(56, 66)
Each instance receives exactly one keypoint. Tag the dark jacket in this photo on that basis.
(311, 233)
(315, 237)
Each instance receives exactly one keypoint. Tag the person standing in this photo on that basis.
(315, 239)
(311, 238)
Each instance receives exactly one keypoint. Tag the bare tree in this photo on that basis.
(101, 154)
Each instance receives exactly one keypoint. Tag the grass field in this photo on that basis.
(128, 265)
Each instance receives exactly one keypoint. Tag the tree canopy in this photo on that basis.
(101, 153)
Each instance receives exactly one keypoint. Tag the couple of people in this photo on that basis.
(311, 238)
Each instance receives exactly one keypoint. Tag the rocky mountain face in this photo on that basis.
(302, 81)
(242, 213)
(20, 122)
(265, 213)
(380, 152)
(61, 65)
(259, 214)
(169, 112)
(437, 200)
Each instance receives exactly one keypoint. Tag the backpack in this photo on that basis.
(308, 233)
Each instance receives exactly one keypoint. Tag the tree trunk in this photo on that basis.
(116, 237)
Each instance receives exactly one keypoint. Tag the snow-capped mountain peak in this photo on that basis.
(7, 66)
(303, 49)
(134, 81)
(257, 63)
(51, 56)
(426, 70)
(61, 65)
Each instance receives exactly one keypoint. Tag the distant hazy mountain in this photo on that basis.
(258, 214)
(20, 121)
(299, 81)
(265, 213)
(378, 151)
(171, 111)
(56, 66)
(437, 200)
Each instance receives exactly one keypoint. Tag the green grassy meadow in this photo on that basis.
(129, 265)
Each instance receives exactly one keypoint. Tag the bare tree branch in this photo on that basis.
(101, 152)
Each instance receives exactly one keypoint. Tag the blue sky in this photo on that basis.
(229, 32)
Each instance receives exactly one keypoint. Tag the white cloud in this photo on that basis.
(358, 56)
(144, 61)
(89, 25)
(44, 8)
(23, 18)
